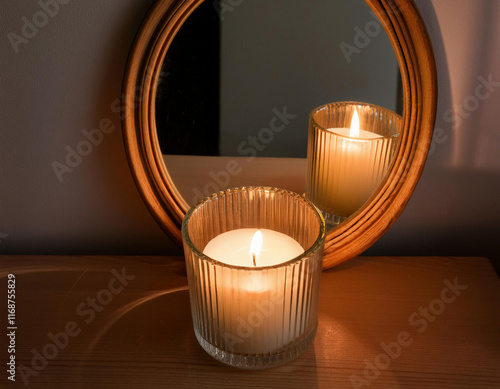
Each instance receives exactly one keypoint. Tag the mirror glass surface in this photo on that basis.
(239, 81)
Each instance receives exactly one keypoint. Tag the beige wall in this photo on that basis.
(65, 79)
(61, 82)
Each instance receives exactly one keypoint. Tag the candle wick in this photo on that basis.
(254, 262)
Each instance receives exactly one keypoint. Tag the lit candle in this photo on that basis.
(253, 260)
(346, 166)
(239, 247)
(251, 325)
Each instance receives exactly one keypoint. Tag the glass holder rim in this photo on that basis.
(358, 103)
(318, 242)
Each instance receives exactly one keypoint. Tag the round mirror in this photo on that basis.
(218, 95)
(237, 86)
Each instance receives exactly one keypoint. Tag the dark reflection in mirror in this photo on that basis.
(187, 99)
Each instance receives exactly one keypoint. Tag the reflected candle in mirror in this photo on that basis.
(250, 300)
(345, 167)
(351, 180)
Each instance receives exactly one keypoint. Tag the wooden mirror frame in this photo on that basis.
(408, 35)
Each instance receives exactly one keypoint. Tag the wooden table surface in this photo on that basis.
(131, 328)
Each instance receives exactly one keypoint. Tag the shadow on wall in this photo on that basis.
(467, 56)
(475, 141)
(454, 210)
(458, 225)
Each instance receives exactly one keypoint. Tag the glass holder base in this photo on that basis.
(256, 362)
(332, 220)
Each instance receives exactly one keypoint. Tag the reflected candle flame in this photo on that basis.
(256, 246)
(355, 125)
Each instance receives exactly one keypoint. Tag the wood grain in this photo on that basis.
(144, 338)
(406, 30)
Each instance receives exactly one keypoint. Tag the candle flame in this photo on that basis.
(256, 246)
(355, 125)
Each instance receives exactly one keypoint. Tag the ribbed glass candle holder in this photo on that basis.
(247, 316)
(343, 171)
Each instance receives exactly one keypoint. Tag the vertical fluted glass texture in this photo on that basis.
(344, 172)
(254, 317)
